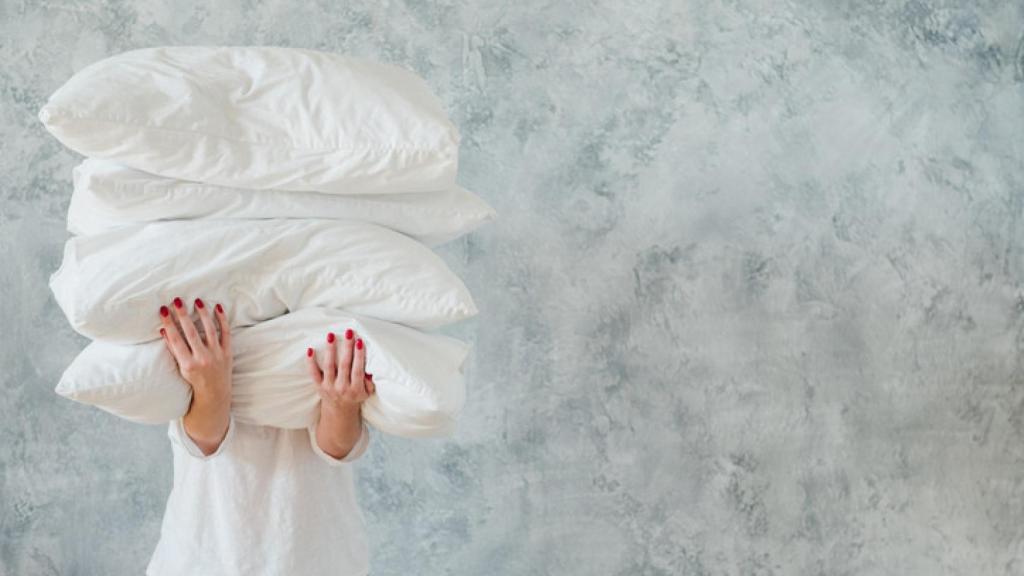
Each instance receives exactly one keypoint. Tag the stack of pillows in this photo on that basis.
(300, 189)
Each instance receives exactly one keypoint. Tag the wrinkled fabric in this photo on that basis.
(259, 117)
(420, 389)
(267, 501)
(111, 285)
(107, 195)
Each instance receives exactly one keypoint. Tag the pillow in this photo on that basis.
(418, 376)
(111, 285)
(108, 195)
(259, 117)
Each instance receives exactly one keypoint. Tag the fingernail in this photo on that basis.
(348, 334)
(199, 303)
(177, 302)
(309, 352)
(369, 376)
(330, 337)
(219, 309)
(164, 312)
(359, 344)
(163, 332)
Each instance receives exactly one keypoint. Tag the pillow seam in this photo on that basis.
(405, 149)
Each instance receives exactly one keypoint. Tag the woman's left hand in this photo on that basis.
(343, 385)
(341, 381)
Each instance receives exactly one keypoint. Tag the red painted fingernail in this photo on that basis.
(164, 312)
(309, 352)
(330, 337)
(199, 303)
(348, 334)
(359, 344)
(177, 302)
(369, 376)
(219, 309)
(163, 332)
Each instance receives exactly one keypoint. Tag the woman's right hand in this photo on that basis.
(205, 362)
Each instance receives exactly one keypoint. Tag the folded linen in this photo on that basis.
(418, 376)
(108, 195)
(111, 285)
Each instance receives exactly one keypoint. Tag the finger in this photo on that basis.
(370, 386)
(225, 328)
(313, 367)
(330, 359)
(188, 327)
(209, 329)
(172, 337)
(359, 366)
(345, 368)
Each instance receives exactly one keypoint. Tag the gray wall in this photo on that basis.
(753, 306)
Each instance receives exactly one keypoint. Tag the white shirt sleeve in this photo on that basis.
(353, 454)
(177, 434)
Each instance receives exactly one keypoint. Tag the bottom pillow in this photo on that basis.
(418, 376)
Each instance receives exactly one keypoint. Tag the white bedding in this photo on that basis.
(259, 117)
(299, 189)
(107, 195)
(111, 285)
(418, 376)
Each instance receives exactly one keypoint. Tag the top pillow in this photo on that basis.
(259, 117)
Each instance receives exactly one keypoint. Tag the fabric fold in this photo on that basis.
(111, 285)
(419, 377)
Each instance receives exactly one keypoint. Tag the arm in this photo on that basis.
(205, 362)
(343, 386)
(338, 430)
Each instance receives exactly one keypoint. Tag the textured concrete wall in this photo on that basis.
(753, 306)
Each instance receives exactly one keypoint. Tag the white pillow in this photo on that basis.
(108, 195)
(259, 117)
(419, 380)
(111, 285)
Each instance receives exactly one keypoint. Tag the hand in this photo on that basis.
(204, 359)
(343, 386)
(205, 362)
(342, 383)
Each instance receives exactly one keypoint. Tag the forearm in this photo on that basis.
(339, 429)
(206, 421)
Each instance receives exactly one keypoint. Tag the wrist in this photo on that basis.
(211, 397)
(335, 411)
(339, 428)
(207, 419)
(207, 426)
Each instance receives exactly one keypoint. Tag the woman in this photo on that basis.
(256, 500)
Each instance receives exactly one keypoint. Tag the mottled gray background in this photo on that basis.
(754, 305)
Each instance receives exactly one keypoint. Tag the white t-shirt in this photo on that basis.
(268, 502)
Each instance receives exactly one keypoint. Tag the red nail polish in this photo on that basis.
(369, 376)
(199, 303)
(164, 312)
(309, 352)
(177, 302)
(330, 337)
(359, 344)
(348, 334)
(163, 332)
(219, 309)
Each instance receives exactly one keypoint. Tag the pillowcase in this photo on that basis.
(418, 376)
(108, 195)
(111, 285)
(259, 117)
